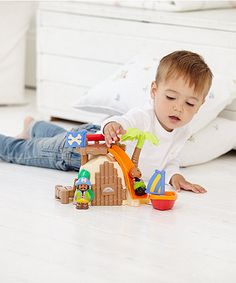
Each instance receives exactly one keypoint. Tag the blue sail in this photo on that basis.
(156, 184)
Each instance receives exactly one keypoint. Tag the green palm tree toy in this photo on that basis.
(136, 134)
(140, 136)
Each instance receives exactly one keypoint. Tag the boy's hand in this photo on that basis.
(111, 132)
(179, 182)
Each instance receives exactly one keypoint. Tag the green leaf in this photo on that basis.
(136, 134)
(131, 134)
(151, 138)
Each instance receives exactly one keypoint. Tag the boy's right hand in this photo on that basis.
(111, 132)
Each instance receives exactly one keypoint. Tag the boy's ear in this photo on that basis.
(153, 89)
(203, 101)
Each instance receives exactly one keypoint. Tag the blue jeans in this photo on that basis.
(45, 148)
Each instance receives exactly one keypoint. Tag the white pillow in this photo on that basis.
(130, 87)
(220, 95)
(215, 139)
(127, 88)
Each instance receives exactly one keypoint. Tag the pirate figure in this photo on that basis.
(139, 185)
(83, 194)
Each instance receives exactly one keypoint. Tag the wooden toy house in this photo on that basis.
(112, 171)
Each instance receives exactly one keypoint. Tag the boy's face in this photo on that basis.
(175, 103)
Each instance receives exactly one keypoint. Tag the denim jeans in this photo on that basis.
(45, 148)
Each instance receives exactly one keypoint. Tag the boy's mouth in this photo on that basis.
(174, 119)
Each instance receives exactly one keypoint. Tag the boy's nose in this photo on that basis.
(178, 107)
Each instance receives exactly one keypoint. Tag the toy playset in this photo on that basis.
(109, 177)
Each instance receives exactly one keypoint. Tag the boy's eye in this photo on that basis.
(190, 104)
(170, 98)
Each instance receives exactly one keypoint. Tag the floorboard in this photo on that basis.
(44, 241)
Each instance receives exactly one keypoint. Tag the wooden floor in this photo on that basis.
(44, 241)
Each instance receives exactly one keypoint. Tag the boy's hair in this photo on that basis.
(187, 65)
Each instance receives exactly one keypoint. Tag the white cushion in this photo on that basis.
(130, 87)
(215, 139)
(220, 95)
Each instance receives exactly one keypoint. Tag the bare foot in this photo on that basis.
(25, 133)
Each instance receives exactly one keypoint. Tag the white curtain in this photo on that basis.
(14, 22)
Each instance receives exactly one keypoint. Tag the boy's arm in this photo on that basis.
(173, 175)
(178, 181)
(111, 131)
(117, 125)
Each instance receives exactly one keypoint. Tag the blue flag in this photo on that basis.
(76, 139)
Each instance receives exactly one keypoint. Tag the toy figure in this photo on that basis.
(83, 193)
(139, 185)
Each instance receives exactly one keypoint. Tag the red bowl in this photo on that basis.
(163, 202)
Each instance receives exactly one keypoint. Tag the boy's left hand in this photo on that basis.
(179, 182)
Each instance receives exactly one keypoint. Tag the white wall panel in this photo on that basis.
(80, 45)
(70, 70)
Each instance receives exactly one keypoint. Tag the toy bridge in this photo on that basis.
(96, 148)
(86, 144)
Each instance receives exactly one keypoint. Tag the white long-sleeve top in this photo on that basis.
(161, 157)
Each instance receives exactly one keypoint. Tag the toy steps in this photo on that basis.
(126, 165)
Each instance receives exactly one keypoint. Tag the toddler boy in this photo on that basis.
(182, 82)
